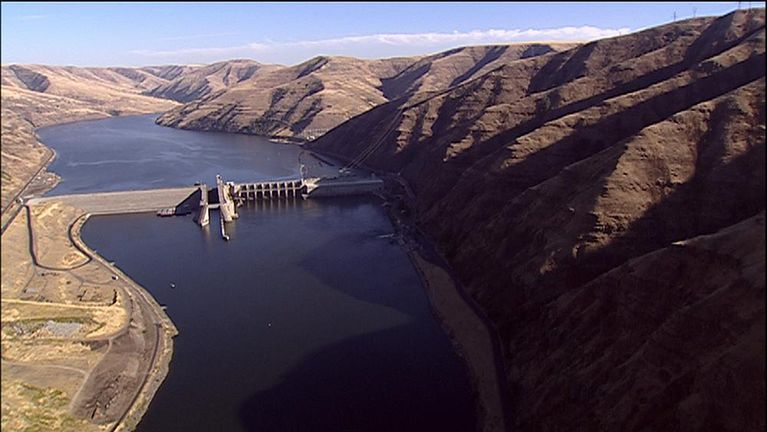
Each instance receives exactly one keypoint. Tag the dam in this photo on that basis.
(228, 195)
(338, 295)
(135, 201)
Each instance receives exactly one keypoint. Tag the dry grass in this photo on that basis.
(323, 92)
(50, 224)
(30, 408)
(16, 268)
(47, 315)
(551, 172)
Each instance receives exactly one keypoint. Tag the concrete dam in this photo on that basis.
(227, 195)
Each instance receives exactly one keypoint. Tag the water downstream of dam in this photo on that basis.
(309, 319)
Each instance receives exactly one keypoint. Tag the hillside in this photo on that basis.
(189, 85)
(35, 96)
(604, 206)
(317, 95)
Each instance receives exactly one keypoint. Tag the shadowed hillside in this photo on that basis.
(317, 95)
(604, 205)
(202, 81)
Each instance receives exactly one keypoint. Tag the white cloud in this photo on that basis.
(31, 17)
(197, 36)
(389, 43)
(475, 36)
(187, 51)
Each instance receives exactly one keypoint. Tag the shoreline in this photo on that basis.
(159, 366)
(15, 206)
(283, 140)
(162, 355)
(163, 350)
(474, 339)
(457, 313)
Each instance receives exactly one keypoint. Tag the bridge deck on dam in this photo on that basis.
(124, 201)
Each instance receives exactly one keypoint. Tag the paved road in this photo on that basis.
(13, 205)
(123, 202)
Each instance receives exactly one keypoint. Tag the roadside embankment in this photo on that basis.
(74, 325)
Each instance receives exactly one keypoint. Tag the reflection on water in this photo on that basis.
(305, 320)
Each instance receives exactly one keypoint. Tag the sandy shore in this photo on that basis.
(473, 336)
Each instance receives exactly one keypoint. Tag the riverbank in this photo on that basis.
(41, 182)
(163, 348)
(473, 336)
(121, 345)
(109, 381)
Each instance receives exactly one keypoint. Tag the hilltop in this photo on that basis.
(321, 93)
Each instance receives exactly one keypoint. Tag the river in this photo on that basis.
(309, 319)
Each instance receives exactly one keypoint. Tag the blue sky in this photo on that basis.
(138, 34)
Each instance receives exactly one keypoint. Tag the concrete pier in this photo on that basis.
(204, 213)
(225, 199)
(224, 235)
(230, 194)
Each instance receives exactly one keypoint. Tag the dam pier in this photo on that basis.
(228, 195)
(225, 197)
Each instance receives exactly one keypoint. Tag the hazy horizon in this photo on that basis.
(156, 34)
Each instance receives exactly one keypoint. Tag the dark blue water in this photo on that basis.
(125, 153)
(307, 320)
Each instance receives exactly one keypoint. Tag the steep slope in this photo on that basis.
(314, 96)
(541, 176)
(85, 83)
(189, 85)
(671, 340)
(35, 96)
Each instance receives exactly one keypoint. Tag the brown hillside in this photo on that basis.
(319, 94)
(544, 178)
(35, 96)
(196, 83)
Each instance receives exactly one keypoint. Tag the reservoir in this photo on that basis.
(309, 319)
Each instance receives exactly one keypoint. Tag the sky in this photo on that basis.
(143, 34)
